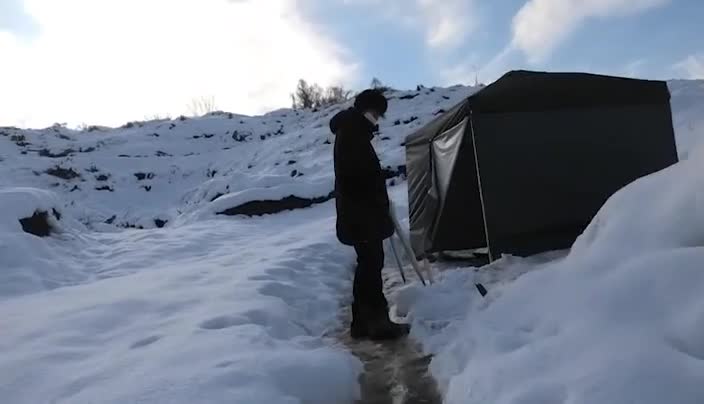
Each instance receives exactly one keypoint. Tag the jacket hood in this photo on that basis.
(350, 118)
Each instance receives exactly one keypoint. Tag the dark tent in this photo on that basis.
(524, 164)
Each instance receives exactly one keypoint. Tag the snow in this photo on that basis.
(616, 319)
(200, 307)
(207, 308)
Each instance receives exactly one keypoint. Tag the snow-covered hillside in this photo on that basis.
(145, 294)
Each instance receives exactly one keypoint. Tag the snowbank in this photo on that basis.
(214, 312)
(617, 320)
(20, 203)
(146, 173)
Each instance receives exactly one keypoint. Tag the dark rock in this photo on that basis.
(291, 162)
(102, 177)
(123, 155)
(92, 169)
(218, 195)
(47, 153)
(38, 224)
(440, 111)
(111, 219)
(262, 137)
(268, 207)
(86, 150)
(104, 188)
(182, 118)
(411, 119)
(75, 188)
(397, 122)
(327, 142)
(294, 173)
(237, 137)
(147, 187)
(142, 176)
(399, 171)
(63, 173)
(160, 223)
(160, 153)
(385, 138)
(409, 96)
(56, 213)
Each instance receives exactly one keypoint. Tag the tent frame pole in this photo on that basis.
(479, 182)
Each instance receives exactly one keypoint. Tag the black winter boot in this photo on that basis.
(359, 328)
(380, 327)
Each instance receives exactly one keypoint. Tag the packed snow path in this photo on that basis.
(395, 372)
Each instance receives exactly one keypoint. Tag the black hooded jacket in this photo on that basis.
(362, 199)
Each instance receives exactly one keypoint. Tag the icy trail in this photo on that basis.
(395, 372)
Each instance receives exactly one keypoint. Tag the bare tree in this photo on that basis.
(307, 95)
(335, 95)
(201, 106)
(377, 84)
(314, 96)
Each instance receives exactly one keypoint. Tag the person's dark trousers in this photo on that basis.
(368, 287)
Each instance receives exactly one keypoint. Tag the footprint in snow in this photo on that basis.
(221, 322)
(145, 341)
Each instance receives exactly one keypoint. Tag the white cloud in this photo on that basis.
(448, 22)
(108, 62)
(692, 66)
(14, 18)
(634, 68)
(541, 25)
(469, 70)
(445, 23)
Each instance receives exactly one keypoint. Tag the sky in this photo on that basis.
(107, 62)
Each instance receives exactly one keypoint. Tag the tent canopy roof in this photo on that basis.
(522, 90)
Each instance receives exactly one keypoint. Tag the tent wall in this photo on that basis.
(545, 174)
(551, 147)
(460, 224)
(423, 201)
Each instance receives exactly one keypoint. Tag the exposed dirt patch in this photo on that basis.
(258, 208)
(63, 173)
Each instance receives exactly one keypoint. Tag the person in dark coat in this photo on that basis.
(363, 219)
